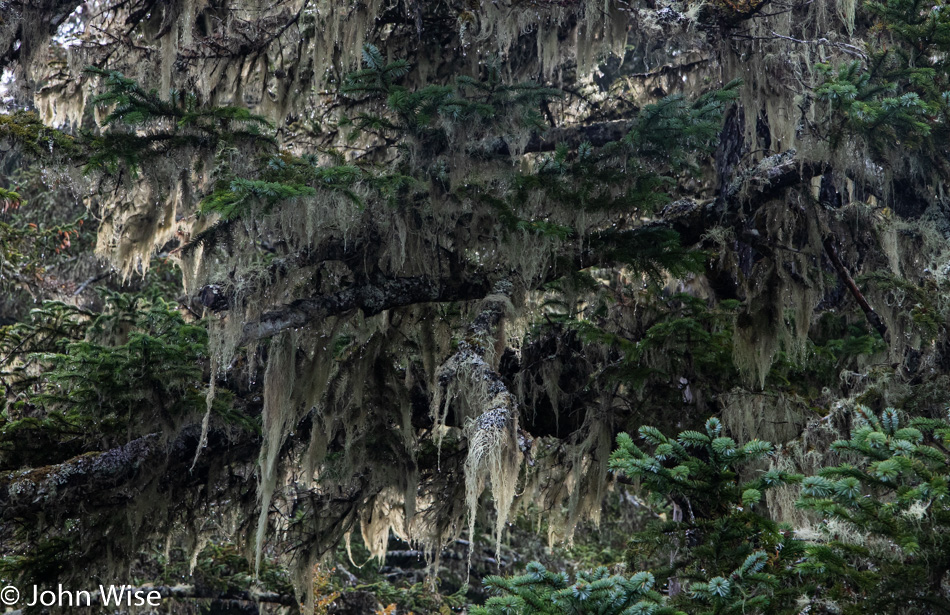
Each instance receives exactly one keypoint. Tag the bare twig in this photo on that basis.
(849, 49)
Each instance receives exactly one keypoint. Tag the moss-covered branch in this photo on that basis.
(106, 478)
(370, 297)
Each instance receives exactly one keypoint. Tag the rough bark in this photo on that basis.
(370, 297)
(26, 493)
(119, 473)
(471, 358)
(475, 347)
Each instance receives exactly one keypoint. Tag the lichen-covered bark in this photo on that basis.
(26, 493)
(107, 479)
(356, 248)
(370, 298)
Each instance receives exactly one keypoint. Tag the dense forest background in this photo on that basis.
(523, 306)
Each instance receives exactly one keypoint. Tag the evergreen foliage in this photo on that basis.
(149, 126)
(895, 94)
(890, 495)
(596, 592)
(880, 544)
(98, 372)
(734, 558)
(514, 231)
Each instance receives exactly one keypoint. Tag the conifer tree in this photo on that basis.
(398, 267)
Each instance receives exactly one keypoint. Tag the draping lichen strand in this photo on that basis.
(493, 452)
(132, 233)
(341, 391)
(279, 417)
(567, 479)
(487, 410)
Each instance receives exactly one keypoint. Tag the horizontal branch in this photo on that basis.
(756, 186)
(27, 492)
(670, 69)
(771, 176)
(371, 298)
(119, 473)
(848, 49)
(352, 252)
(764, 182)
(597, 134)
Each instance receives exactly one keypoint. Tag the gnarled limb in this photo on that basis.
(469, 360)
(370, 297)
(26, 493)
(99, 478)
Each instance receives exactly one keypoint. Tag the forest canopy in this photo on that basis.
(525, 306)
